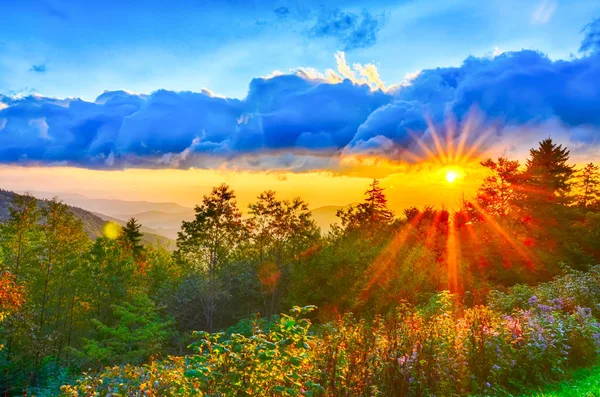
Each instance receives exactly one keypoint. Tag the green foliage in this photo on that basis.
(581, 383)
(205, 245)
(138, 334)
(440, 348)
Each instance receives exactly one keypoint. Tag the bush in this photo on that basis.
(522, 338)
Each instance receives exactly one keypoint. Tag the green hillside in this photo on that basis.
(92, 223)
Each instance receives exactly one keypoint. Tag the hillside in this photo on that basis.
(92, 223)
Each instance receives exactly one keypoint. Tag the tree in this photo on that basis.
(499, 190)
(11, 295)
(133, 237)
(111, 270)
(139, 333)
(370, 215)
(589, 184)
(64, 245)
(548, 173)
(206, 244)
(21, 233)
(280, 232)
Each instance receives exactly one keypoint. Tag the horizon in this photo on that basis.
(333, 121)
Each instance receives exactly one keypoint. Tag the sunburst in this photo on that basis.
(452, 153)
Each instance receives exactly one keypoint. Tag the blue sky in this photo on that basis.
(289, 84)
(65, 48)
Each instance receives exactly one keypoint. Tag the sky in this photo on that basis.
(123, 99)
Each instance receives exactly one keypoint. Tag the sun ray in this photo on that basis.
(423, 146)
(450, 132)
(502, 233)
(466, 131)
(382, 264)
(436, 141)
(452, 256)
(477, 145)
(474, 239)
(432, 230)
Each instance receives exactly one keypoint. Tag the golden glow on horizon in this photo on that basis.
(406, 185)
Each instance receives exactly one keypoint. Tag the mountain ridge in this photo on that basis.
(92, 222)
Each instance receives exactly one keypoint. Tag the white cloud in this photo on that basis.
(544, 12)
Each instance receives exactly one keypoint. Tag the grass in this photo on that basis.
(583, 383)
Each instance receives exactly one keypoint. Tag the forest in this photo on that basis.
(499, 296)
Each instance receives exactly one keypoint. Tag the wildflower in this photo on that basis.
(558, 303)
(584, 311)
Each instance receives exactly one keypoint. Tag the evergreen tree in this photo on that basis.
(370, 215)
(375, 205)
(133, 237)
(589, 184)
(548, 173)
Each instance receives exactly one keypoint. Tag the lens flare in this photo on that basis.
(112, 230)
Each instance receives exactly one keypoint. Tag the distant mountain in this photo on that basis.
(113, 207)
(169, 231)
(161, 218)
(165, 223)
(164, 218)
(92, 223)
(326, 216)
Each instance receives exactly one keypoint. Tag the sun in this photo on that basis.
(451, 176)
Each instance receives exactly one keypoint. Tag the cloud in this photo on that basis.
(544, 12)
(281, 11)
(306, 119)
(351, 30)
(41, 68)
(591, 42)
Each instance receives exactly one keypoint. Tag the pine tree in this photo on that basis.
(133, 237)
(369, 216)
(548, 173)
(375, 205)
(589, 183)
